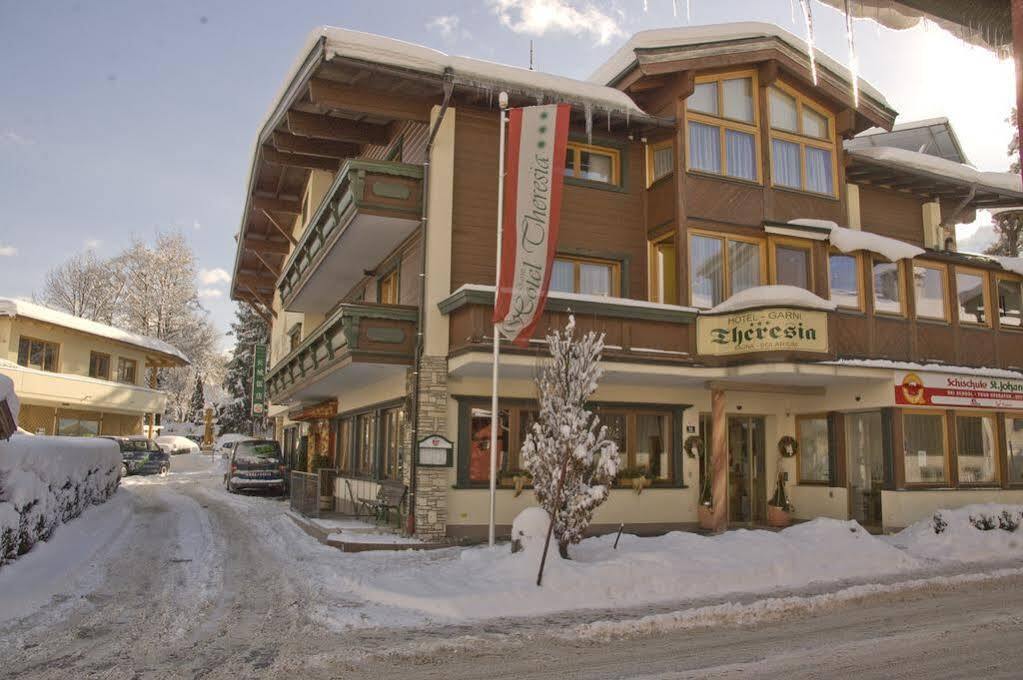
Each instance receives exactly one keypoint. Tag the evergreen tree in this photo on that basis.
(1014, 142)
(568, 442)
(235, 414)
(198, 404)
(1009, 228)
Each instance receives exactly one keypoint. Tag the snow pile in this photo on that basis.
(529, 529)
(482, 582)
(14, 308)
(1012, 264)
(176, 444)
(973, 533)
(914, 161)
(772, 296)
(852, 240)
(46, 481)
(7, 394)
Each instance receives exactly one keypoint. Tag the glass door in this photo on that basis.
(747, 493)
(866, 466)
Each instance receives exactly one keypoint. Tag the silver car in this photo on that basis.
(256, 464)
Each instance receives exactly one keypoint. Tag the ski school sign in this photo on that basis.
(949, 389)
(762, 330)
(537, 138)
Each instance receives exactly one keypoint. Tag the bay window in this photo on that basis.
(844, 276)
(721, 266)
(589, 276)
(975, 449)
(929, 291)
(971, 294)
(887, 277)
(721, 119)
(924, 447)
(802, 143)
(814, 458)
(1010, 303)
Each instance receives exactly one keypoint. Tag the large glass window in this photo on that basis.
(814, 462)
(1010, 303)
(887, 287)
(586, 276)
(714, 277)
(127, 371)
(792, 266)
(660, 160)
(924, 447)
(1014, 448)
(77, 427)
(343, 445)
(99, 365)
(971, 294)
(653, 444)
(393, 422)
(929, 291)
(975, 449)
(593, 163)
(802, 143)
(723, 135)
(844, 273)
(37, 354)
(365, 443)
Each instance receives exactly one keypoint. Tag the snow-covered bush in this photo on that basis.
(966, 534)
(46, 481)
(568, 442)
(529, 529)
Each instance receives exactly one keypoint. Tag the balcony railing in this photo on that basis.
(371, 207)
(365, 334)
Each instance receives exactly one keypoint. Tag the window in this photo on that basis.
(1014, 448)
(99, 365)
(593, 163)
(929, 291)
(77, 427)
(294, 337)
(587, 276)
(663, 264)
(975, 449)
(387, 288)
(37, 354)
(343, 445)
(126, 370)
(660, 160)
(721, 118)
(721, 266)
(924, 447)
(802, 143)
(479, 443)
(1010, 303)
(887, 287)
(365, 443)
(971, 294)
(844, 276)
(792, 265)
(652, 452)
(814, 461)
(393, 422)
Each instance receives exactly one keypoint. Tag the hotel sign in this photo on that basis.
(762, 330)
(259, 380)
(963, 391)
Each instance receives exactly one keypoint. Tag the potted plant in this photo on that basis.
(705, 510)
(517, 479)
(779, 508)
(637, 478)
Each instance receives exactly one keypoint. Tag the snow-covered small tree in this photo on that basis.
(197, 405)
(568, 442)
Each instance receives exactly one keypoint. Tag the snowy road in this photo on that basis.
(175, 578)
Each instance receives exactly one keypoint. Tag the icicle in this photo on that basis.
(792, 11)
(588, 112)
(609, 120)
(628, 112)
(645, 8)
(674, 8)
(854, 71)
(808, 18)
(689, 15)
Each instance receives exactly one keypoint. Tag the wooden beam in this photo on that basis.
(275, 272)
(254, 281)
(277, 205)
(768, 72)
(331, 95)
(284, 232)
(265, 245)
(275, 157)
(336, 129)
(736, 386)
(262, 300)
(314, 147)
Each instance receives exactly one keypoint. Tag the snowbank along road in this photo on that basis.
(174, 578)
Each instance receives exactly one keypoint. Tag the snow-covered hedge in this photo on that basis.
(46, 481)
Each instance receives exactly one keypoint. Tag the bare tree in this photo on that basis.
(84, 286)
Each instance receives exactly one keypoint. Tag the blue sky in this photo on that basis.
(121, 117)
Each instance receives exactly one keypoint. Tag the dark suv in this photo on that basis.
(256, 464)
(141, 456)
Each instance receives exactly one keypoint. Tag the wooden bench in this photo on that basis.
(390, 496)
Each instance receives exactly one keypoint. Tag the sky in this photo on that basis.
(120, 119)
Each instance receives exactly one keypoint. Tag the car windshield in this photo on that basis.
(267, 449)
(138, 445)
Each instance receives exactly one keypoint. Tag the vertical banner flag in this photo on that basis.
(534, 164)
(258, 380)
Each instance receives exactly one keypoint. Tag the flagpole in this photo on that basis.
(495, 421)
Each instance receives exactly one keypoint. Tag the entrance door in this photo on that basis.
(866, 466)
(747, 491)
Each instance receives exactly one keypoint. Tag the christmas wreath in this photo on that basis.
(693, 446)
(788, 446)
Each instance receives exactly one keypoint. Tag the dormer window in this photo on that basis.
(802, 143)
(721, 120)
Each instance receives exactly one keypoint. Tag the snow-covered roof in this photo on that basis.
(772, 296)
(912, 161)
(15, 308)
(597, 299)
(1010, 264)
(934, 136)
(698, 35)
(852, 240)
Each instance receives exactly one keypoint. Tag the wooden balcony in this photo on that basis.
(371, 207)
(356, 344)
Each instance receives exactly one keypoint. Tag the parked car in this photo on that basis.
(175, 444)
(226, 443)
(256, 464)
(141, 456)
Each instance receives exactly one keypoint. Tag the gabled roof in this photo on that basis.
(933, 136)
(29, 310)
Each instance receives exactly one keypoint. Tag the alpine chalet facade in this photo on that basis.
(775, 304)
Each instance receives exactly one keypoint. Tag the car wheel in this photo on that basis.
(164, 470)
(124, 470)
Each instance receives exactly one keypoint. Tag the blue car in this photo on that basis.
(141, 456)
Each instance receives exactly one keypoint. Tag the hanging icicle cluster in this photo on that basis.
(808, 19)
(854, 71)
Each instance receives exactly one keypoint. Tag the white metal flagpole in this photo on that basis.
(495, 421)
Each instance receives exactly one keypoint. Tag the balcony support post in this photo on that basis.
(718, 462)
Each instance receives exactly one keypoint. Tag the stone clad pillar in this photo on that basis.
(719, 461)
(432, 483)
